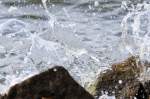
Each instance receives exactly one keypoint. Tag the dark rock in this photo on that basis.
(147, 87)
(133, 89)
(55, 83)
(142, 94)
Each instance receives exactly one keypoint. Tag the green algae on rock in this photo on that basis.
(55, 83)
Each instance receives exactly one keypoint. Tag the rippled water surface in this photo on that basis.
(83, 36)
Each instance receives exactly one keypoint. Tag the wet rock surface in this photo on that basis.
(114, 79)
(55, 83)
(133, 89)
(122, 80)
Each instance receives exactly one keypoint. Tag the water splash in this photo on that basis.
(12, 8)
(27, 52)
(136, 34)
(135, 28)
(52, 18)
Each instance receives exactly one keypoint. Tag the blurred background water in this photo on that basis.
(84, 36)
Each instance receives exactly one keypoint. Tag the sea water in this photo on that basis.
(85, 37)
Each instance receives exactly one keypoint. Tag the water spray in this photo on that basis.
(135, 33)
